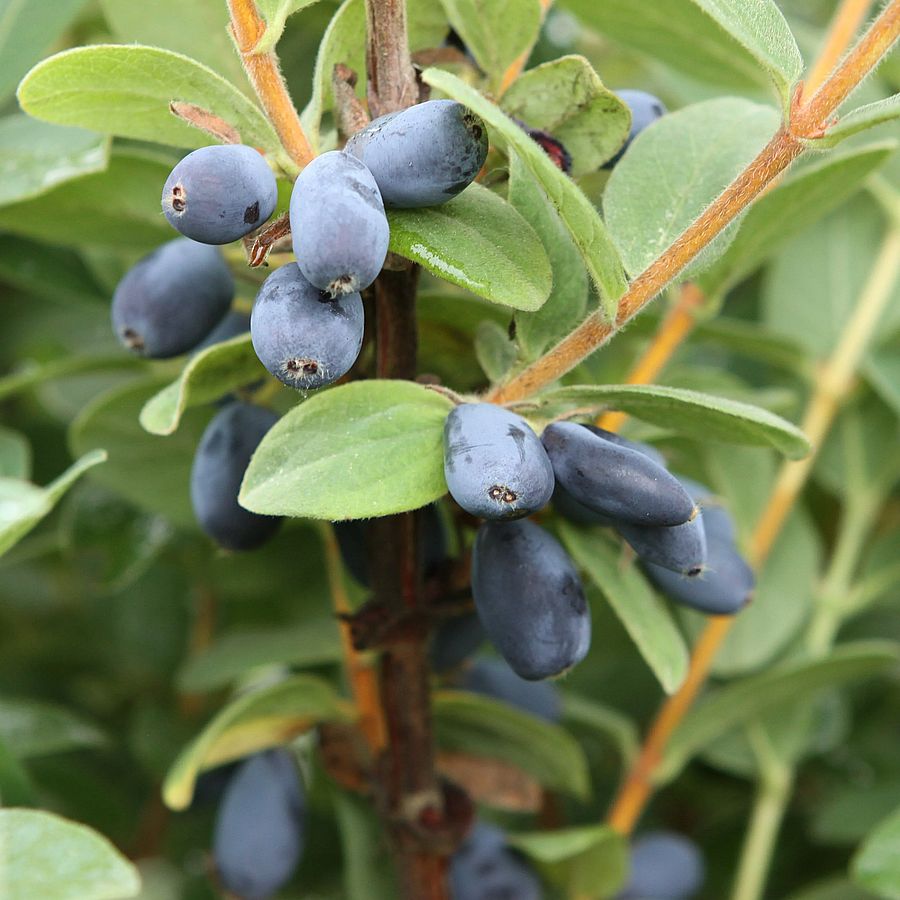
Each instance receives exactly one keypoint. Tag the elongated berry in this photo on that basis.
(339, 229)
(423, 155)
(494, 678)
(218, 194)
(494, 463)
(645, 110)
(639, 446)
(170, 300)
(454, 641)
(302, 336)
(484, 868)
(680, 548)
(529, 598)
(615, 480)
(221, 459)
(663, 866)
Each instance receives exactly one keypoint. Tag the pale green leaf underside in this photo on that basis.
(35, 156)
(876, 865)
(760, 28)
(15, 454)
(23, 505)
(577, 213)
(43, 855)
(370, 448)
(744, 700)
(644, 615)
(126, 91)
(675, 169)
(34, 728)
(210, 374)
(696, 415)
(265, 718)
(480, 242)
(481, 726)
(861, 119)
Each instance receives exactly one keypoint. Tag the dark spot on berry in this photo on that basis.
(302, 366)
(251, 214)
(502, 493)
(179, 203)
(132, 339)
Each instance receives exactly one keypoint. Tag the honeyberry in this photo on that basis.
(494, 464)
(494, 678)
(235, 323)
(302, 336)
(338, 225)
(454, 641)
(663, 866)
(260, 826)
(679, 548)
(218, 194)
(648, 451)
(219, 465)
(485, 869)
(529, 598)
(645, 110)
(423, 155)
(170, 300)
(614, 479)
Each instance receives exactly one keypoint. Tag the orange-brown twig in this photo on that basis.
(847, 19)
(248, 27)
(515, 68)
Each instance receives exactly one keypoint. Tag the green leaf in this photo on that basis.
(566, 305)
(644, 615)
(237, 652)
(674, 170)
(744, 700)
(760, 28)
(566, 98)
(575, 210)
(590, 861)
(16, 788)
(691, 413)
(495, 352)
(198, 29)
(151, 473)
(617, 727)
(803, 198)
(675, 33)
(370, 448)
(43, 855)
(115, 208)
(276, 13)
(23, 505)
(51, 273)
(480, 726)
(126, 91)
(32, 375)
(35, 157)
(15, 454)
(210, 374)
(876, 865)
(265, 718)
(861, 119)
(882, 369)
(755, 341)
(343, 42)
(495, 32)
(26, 31)
(833, 889)
(33, 728)
(480, 242)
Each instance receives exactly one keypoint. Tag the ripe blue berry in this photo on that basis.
(494, 463)
(494, 678)
(679, 548)
(219, 465)
(339, 229)
(234, 324)
(640, 447)
(302, 336)
(259, 834)
(663, 866)
(615, 480)
(645, 110)
(423, 155)
(529, 598)
(169, 301)
(485, 869)
(218, 194)
(454, 641)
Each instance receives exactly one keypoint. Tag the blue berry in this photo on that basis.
(221, 459)
(423, 155)
(679, 548)
(339, 229)
(169, 301)
(614, 479)
(529, 598)
(302, 336)
(663, 866)
(260, 826)
(454, 641)
(494, 463)
(645, 110)
(494, 678)
(485, 869)
(235, 323)
(218, 194)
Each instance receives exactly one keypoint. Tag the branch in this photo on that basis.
(807, 122)
(392, 79)
(847, 19)
(247, 28)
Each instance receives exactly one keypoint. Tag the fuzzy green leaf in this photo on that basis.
(861, 119)
(575, 210)
(370, 448)
(15, 454)
(876, 865)
(480, 242)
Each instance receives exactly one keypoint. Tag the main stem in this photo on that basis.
(409, 791)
